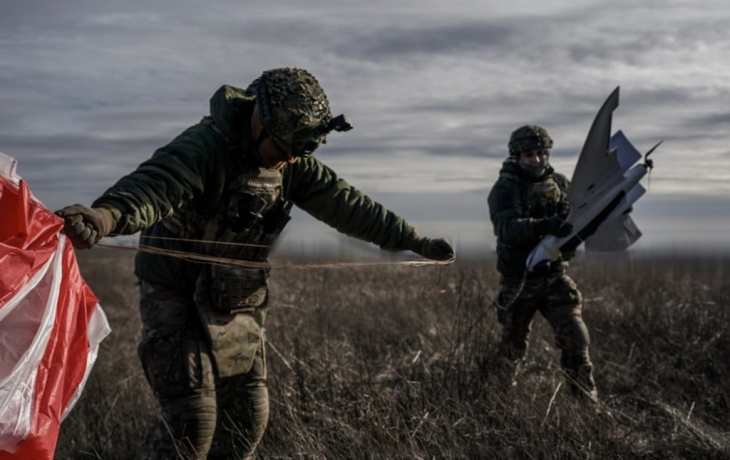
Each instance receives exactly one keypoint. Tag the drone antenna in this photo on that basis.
(650, 163)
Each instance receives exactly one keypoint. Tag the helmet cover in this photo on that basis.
(293, 109)
(529, 137)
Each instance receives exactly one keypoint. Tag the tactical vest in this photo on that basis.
(231, 299)
(547, 198)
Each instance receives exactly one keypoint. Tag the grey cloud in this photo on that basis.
(717, 120)
(474, 145)
(680, 137)
(41, 146)
(394, 42)
(518, 38)
(485, 135)
(483, 145)
(559, 108)
(497, 114)
(462, 148)
(73, 164)
(659, 97)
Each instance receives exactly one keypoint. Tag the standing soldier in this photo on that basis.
(529, 201)
(223, 188)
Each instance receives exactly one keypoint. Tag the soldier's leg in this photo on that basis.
(564, 312)
(243, 412)
(177, 364)
(516, 320)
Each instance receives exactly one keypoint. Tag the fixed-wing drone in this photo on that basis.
(604, 186)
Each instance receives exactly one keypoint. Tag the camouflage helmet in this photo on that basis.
(529, 137)
(294, 110)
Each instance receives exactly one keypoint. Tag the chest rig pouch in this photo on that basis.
(546, 199)
(231, 299)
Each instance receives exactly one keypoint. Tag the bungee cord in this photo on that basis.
(205, 258)
(185, 240)
(516, 294)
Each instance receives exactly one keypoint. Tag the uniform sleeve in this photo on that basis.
(506, 212)
(316, 189)
(175, 174)
(562, 181)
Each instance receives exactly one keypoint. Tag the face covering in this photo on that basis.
(534, 171)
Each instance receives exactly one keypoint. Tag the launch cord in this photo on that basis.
(516, 294)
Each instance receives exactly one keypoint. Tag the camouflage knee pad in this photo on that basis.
(240, 429)
(572, 337)
(562, 291)
(180, 373)
(243, 412)
(516, 326)
(564, 312)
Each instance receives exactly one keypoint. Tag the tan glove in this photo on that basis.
(85, 226)
(432, 248)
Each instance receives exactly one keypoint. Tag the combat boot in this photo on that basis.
(581, 383)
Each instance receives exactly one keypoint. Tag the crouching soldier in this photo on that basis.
(223, 189)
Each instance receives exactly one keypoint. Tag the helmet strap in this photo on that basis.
(262, 137)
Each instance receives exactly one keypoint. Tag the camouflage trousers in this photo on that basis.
(558, 300)
(203, 416)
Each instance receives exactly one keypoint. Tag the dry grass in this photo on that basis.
(395, 363)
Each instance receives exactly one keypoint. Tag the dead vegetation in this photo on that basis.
(395, 363)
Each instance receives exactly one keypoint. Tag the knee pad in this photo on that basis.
(242, 424)
(175, 365)
(187, 426)
(572, 335)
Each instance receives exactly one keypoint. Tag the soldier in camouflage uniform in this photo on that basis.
(224, 188)
(529, 201)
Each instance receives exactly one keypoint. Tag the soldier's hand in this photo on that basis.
(565, 229)
(85, 226)
(433, 248)
(554, 225)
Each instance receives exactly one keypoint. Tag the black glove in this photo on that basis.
(85, 226)
(434, 249)
(554, 225)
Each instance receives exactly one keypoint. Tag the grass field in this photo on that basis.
(393, 362)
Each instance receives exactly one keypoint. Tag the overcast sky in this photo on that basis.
(90, 89)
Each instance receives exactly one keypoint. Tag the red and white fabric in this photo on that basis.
(51, 323)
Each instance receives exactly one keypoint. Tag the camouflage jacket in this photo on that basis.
(516, 202)
(194, 171)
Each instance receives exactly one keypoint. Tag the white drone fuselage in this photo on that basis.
(604, 187)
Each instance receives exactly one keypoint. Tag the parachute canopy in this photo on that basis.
(51, 323)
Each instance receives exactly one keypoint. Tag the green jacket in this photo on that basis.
(194, 170)
(516, 202)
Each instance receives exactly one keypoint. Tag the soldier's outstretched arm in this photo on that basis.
(176, 173)
(317, 189)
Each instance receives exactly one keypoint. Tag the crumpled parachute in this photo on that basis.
(51, 323)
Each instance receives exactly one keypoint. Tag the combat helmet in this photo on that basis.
(529, 137)
(294, 110)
